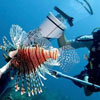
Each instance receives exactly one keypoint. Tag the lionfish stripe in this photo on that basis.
(32, 57)
(32, 63)
(35, 60)
(42, 55)
(46, 54)
(49, 53)
(56, 54)
(22, 59)
(38, 55)
(26, 61)
(29, 60)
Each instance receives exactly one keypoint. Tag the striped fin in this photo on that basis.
(22, 87)
(32, 83)
(28, 85)
(17, 81)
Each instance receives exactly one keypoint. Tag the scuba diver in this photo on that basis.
(92, 71)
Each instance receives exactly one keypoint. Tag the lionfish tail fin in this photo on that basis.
(67, 57)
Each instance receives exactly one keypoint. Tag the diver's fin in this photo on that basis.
(67, 17)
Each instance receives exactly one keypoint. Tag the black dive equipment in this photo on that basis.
(67, 17)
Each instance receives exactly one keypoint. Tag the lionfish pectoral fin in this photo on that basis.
(67, 57)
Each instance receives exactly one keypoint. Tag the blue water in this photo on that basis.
(29, 14)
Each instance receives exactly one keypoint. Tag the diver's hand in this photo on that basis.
(0, 74)
(4, 68)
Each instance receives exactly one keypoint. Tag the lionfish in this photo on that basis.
(31, 56)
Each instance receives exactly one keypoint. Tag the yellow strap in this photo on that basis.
(91, 65)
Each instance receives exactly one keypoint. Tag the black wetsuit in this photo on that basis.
(93, 67)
